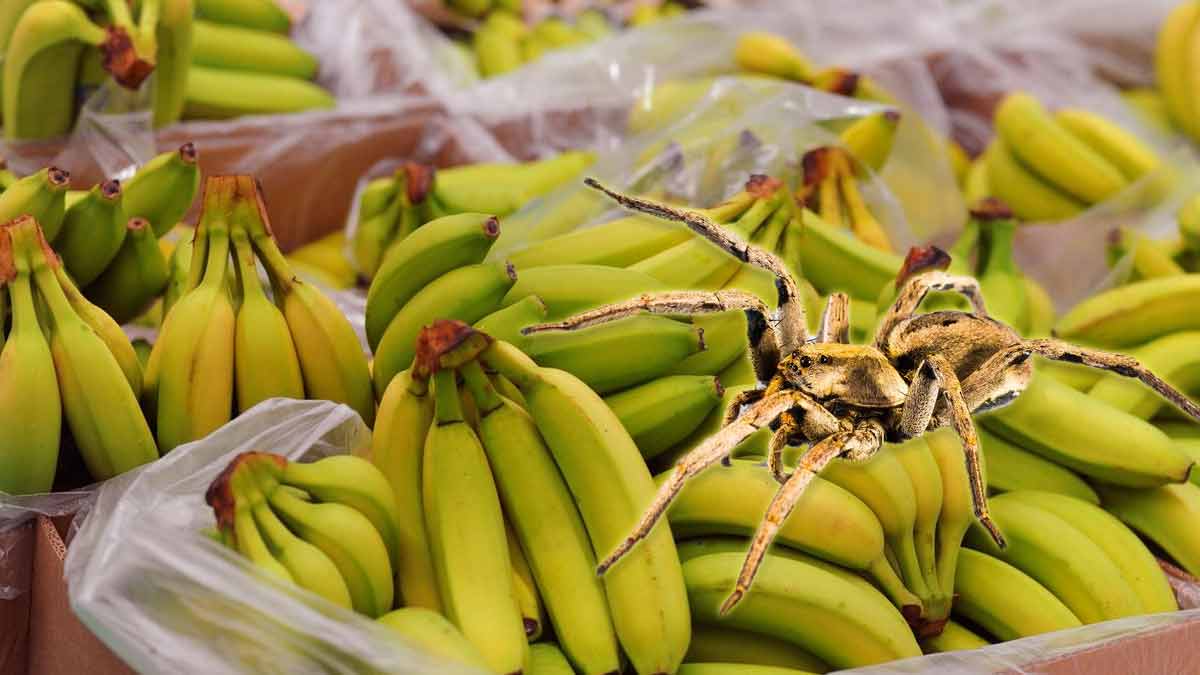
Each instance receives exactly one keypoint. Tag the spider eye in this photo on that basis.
(805, 361)
(825, 358)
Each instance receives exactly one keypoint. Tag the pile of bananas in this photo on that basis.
(392, 207)
(231, 62)
(772, 55)
(1176, 88)
(1051, 167)
(225, 336)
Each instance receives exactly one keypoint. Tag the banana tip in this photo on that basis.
(892, 116)
(762, 186)
(137, 223)
(58, 177)
(491, 227)
(188, 153)
(991, 208)
(110, 189)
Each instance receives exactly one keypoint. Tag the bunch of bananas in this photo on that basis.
(1051, 167)
(330, 526)
(225, 336)
(392, 207)
(325, 262)
(772, 55)
(62, 359)
(1173, 69)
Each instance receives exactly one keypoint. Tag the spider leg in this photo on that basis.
(935, 376)
(765, 342)
(835, 320)
(792, 323)
(992, 371)
(915, 290)
(702, 457)
(787, 431)
(867, 438)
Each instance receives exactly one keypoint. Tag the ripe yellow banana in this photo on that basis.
(1172, 64)
(135, 277)
(41, 195)
(1061, 558)
(869, 139)
(1165, 515)
(162, 190)
(525, 590)
(954, 637)
(109, 331)
(1135, 313)
(178, 274)
(1127, 152)
(1013, 468)
(308, 565)
(771, 54)
(1054, 153)
(30, 406)
(93, 229)
(714, 643)
(840, 622)
(475, 576)
(957, 512)
(917, 459)
(611, 485)
(1031, 197)
(1004, 601)
(430, 632)
(213, 93)
(662, 412)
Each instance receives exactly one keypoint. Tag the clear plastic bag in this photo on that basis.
(144, 577)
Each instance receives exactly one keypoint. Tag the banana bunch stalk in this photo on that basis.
(63, 359)
(329, 526)
(393, 207)
(1053, 166)
(226, 336)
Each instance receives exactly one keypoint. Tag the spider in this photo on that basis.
(922, 372)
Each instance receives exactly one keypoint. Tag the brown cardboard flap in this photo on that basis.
(1171, 649)
(16, 568)
(58, 643)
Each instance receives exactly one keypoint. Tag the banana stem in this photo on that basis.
(512, 363)
(486, 398)
(881, 571)
(148, 28)
(119, 14)
(446, 402)
(247, 270)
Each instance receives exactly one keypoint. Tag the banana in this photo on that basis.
(732, 499)
(1068, 163)
(612, 356)
(662, 412)
(475, 577)
(496, 51)
(1127, 152)
(191, 382)
(869, 139)
(93, 229)
(861, 221)
(1004, 601)
(377, 231)
(1042, 312)
(720, 644)
(162, 190)
(1012, 468)
(433, 634)
(954, 637)
(883, 485)
(224, 46)
(40, 66)
(549, 527)
(617, 243)
(957, 512)
(376, 195)
(237, 490)
(838, 621)
(174, 41)
(135, 277)
(976, 184)
(41, 195)
(570, 289)
(109, 331)
(1134, 313)
(546, 658)
(916, 457)
(1030, 197)
(735, 668)
(1097, 449)
(836, 260)
(1150, 107)
(1190, 447)
(401, 426)
(503, 188)
(1172, 64)
(771, 54)
(101, 409)
(349, 539)
(610, 484)
(525, 589)
(1188, 216)
(1173, 357)
(506, 323)
(999, 279)
(331, 358)
(753, 279)
(1165, 515)
(1178, 431)
(434, 250)
(266, 15)
(354, 482)
(1137, 564)
(178, 274)
(217, 94)
(264, 356)
(307, 565)
(30, 406)
(1061, 558)
(754, 446)
(466, 294)
(1149, 257)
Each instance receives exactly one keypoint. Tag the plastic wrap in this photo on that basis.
(167, 599)
(17, 514)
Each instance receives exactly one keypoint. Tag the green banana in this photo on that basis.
(833, 259)
(506, 323)
(1004, 601)
(1165, 515)
(178, 272)
(93, 229)
(720, 644)
(433, 634)
(435, 249)
(570, 289)
(1013, 468)
(109, 331)
(174, 40)
(724, 341)
(213, 93)
(41, 195)
(503, 188)
(1000, 281)
(218, 45)
(617, 243)
(662, 412)
(376, 231)
(162, 190)
(266, 15)
(135, 277)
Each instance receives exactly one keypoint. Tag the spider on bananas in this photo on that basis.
(922, 372)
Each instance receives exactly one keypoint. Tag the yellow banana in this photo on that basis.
(1030, 197)
(1165, 515)
(433, 634)
(869, 139)
(308, 566)
(1013, 468)
(713, 643)
(525, 589)
(954, 637)
(109, 331)
(917, 459)
(1004, 601)
(957, 512)
(236, 48)
(662, 412)
(1127, 152)
(1172, 64)
(1135, 313)
(618, 243)
(1172, 357)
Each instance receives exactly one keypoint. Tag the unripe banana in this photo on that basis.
(724, 341)
(506, 323)
(1061, 558)
(93, 229)
(954, 637)
(433, 634)
(616, 243)
(1005, 601)
(135, 277)
(503, 188)
(379, 230)
(1134, 313)
(178, 274)
(213, 93)
(257, 14)
(720, 644)
(611, 356)
(173, 37)
(435, 249)
(570, 289)
(42, 196)
(109, 331)
(754, 446)
(1043, 144)
(308, 566)
(999, 279)
(869, 139)
(163, 189)
(1173, 357)
(662, 412)
(466, 294)
(1012, 468)
(225, 46)
(1166, 515)
(30, 405)
(836, 260)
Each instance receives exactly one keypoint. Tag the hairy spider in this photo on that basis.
(922, 372)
